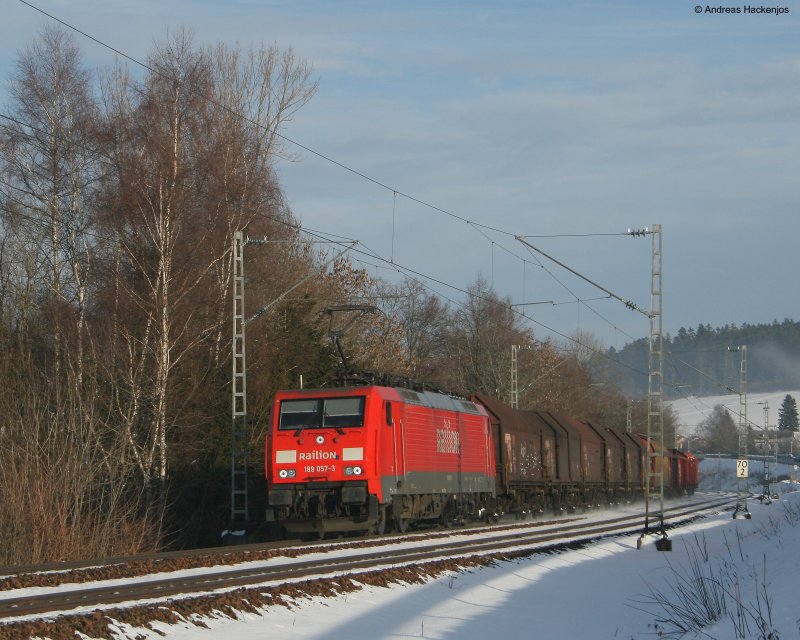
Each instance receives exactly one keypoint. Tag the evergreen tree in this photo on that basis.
(787, 415)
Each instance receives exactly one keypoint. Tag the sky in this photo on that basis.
(441, 131)
(601, 591)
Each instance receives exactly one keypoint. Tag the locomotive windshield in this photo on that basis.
(320, 413)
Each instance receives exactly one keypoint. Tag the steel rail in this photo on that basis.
(152, 591)
(74, 567)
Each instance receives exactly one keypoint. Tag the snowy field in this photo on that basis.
(692, 410)
(608, 590)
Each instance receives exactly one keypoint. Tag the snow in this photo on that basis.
(592, 593)
(603, 591)
(606, 590)
(692, 410)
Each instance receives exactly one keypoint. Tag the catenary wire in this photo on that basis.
(480, 227)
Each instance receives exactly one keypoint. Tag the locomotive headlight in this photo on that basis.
(353, 471)
(287, 473)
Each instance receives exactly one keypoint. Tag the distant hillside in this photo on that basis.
(700, 362)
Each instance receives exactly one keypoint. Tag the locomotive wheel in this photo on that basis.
(380, 526)
(402, 524)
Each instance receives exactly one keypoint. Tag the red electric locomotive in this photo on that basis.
(361, 458)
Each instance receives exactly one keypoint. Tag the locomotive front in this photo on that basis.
(321, 460)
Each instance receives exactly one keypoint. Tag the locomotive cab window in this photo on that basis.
(298, 414)
(343, 412)
(320, 413)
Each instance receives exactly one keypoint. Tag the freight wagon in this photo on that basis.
(553, 462)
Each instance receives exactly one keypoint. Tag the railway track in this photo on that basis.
(370, 555)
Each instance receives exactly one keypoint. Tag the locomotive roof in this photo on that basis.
(422, 398)
(437, 400)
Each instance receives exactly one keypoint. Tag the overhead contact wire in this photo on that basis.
(476, 225)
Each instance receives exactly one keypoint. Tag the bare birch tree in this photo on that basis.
(47, 181)
(194, 146)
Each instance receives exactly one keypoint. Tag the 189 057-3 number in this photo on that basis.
(320, 468)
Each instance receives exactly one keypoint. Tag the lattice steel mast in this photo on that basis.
(514, 387)
(766, 492)
(239, 499)
(240, 513)
(654, 487)
(742, 471)
(514, 372)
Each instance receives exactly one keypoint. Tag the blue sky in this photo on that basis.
(535, 118)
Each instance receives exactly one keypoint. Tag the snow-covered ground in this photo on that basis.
(746, 570)
(608, 590)
(692, 410)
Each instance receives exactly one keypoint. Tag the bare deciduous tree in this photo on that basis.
(424, 320)
(64, 480)
(194, 146)
(479, 342)
(49, 172)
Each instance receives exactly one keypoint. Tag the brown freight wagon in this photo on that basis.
(635, 450)
(529, 458)
(585, 484)
(546, 461)
(623, 460)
